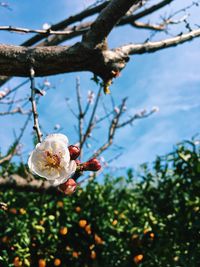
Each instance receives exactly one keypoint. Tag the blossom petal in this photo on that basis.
(58, 137)
(51, 159)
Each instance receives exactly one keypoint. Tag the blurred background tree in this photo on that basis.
(149, 217)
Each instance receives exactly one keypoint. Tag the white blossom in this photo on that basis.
(2, 94)
(90, 97)
(47, 83)
(46, 26)
(57, 127)
(51, 159)
(117, 110)
(155, 109)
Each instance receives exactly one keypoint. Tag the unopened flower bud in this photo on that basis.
(91, 165)
(77, 162)
(69, 187)
(74, 152)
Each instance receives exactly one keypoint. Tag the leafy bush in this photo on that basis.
(151, 218)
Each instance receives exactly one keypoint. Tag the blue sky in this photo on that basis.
(168, 79)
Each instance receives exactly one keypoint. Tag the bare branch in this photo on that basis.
(107, 19)
(6, 5)
(14, 111)
(14, 89)
(8, 102)
(80, 115)
(136, 117)
(9, 156)
(72, 19)
(16, 60)
(91, 121)
(148, 26)
(26, 30)
(6, 158)
(70, 108)
(151, 47)
(36, 126)
(112, 130)
(145, 12)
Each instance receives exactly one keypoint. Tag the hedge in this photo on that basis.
(149, 217)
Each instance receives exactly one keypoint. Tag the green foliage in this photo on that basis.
(150, 218)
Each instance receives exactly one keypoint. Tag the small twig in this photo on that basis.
(70, 108)
(13, 152)
(112, 130)
(91, 121)
(148, 26)
(6, 5)
(36, 125)
(115, 158)
(8, 102)
(43, 32)
(80, 115)
(14, 111)
(136, 117)
(14, 89)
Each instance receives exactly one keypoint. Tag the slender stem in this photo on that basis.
(36, 125)
(91, 121)
(80, 116)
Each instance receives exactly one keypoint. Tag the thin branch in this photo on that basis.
(71, 109)
(6, 158)
(26, 30)
(14, 111)
(36, 126)
(151, 47)
(136, 117)
(14, 89)
(8, 102)
(9, 156)
(72, 19)
(91, 121)
(112, 130)
(6, 5)
(80, 115)
(148, 26)
(76, 30)
(145, 12)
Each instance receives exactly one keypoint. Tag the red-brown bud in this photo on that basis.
(77, 162)
(69, 187)
(91, 165)
(74, 152)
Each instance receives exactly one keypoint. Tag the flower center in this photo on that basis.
(52, 160)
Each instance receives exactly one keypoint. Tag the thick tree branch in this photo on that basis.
(107, 19)
(151, 47)
(80, 29)
(16, 60)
